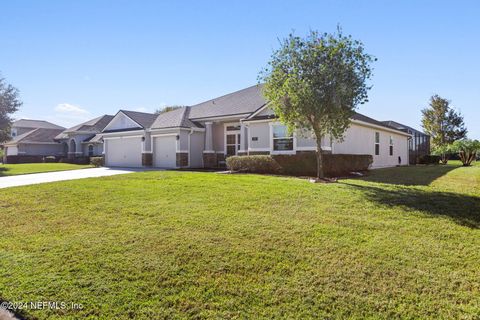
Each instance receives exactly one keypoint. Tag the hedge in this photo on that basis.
(253, 164)
(301, 164)
(428, 159)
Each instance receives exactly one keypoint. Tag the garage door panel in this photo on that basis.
(124, 152)
(165, 152)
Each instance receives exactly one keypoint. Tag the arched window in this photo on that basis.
(72, 147)
(90, 150)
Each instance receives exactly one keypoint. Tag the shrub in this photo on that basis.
(429, 159)
(49, 159)
(96, 161)
(253, 164)
(467, 150)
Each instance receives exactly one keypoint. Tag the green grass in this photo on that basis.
(16, 169)
(401, 243)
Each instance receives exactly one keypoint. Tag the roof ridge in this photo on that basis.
(123, 110)
(185, 114)
(228, 94)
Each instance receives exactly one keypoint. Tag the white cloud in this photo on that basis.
(70, 109)
(69, 115)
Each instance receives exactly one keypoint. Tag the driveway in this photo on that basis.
(36, 178)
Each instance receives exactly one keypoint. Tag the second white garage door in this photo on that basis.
(165, 152)
(124, 152)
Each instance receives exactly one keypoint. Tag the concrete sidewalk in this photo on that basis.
(36, 178)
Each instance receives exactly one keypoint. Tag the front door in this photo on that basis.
(232, 144)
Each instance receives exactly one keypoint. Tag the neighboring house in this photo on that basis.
(238, 123)
(25, 125)
(84, 140)
(32, 138)
(418, 145)
(35, 143)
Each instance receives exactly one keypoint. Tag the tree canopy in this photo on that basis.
(9, 104)
(167, 109)
(442, 123)
(317, 82)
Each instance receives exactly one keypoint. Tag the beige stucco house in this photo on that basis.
(238, 123)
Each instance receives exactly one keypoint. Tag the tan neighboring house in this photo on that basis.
(84, 140)
(32, 140)
(239, 123)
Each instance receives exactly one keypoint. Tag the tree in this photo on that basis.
(467, 150)
(9, 104)
(444, 152)
(443, 124)
(316, 83)
(167, 109)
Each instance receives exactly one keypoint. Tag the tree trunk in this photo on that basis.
(320, 174)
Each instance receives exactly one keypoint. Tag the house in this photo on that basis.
(418, 146)
(32, 140)
(239, 123)
(84, 140)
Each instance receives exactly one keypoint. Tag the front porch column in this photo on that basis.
(78, 148)
(208, 137)
(243, 139)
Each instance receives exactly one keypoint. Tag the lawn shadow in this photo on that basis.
(462, 209)
(409, 176)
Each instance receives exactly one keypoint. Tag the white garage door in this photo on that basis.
(165, 152)
(124, 152)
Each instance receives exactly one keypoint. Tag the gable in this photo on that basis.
(121, 122)
(265, 112)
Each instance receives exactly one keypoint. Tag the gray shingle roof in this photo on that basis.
(175, 118)
(250, 100)
(94, 139)
(34, 124)
(240, 102)
(403, 127)
(361, 117)
(39, 135)
(144, 119)
(94, 126)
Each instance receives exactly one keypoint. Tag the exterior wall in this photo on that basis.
(197, 145)
(40, 149)
(97, 149)
(261, 132)
(361, 140)
(218, 136)
(260, 139)
(182, 144)
(80, 149)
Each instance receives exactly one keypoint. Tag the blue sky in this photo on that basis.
(73, 60)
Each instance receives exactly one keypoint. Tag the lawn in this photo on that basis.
(16, 169)
(400, 243)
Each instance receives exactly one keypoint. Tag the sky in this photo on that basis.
(75, 60)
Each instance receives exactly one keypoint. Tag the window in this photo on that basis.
(282, 139)
(391, 145)
(90, 150)
(377, 143)
(14, 133)
(233, 127)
